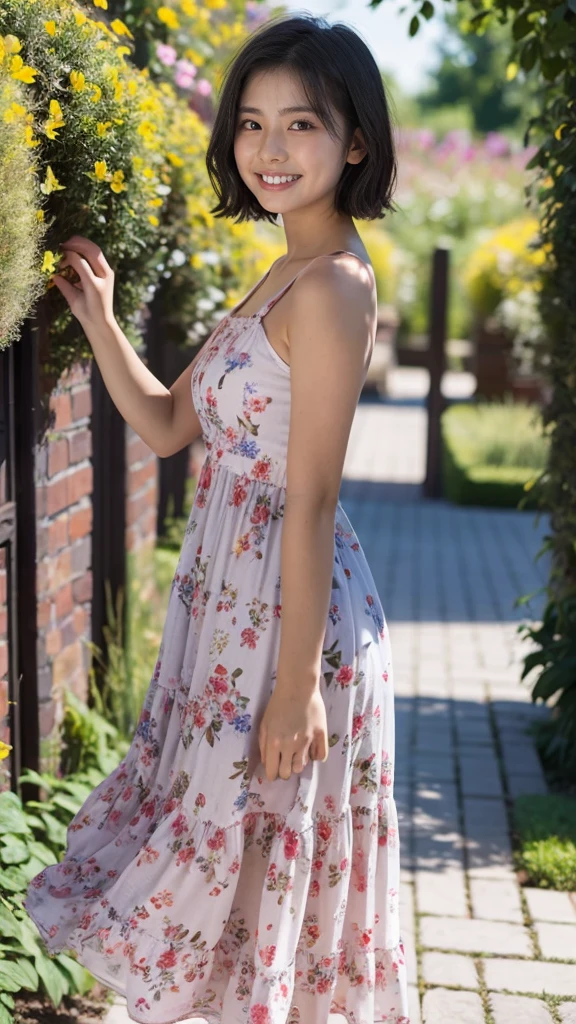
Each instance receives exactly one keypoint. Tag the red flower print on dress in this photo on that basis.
(291, 844)
(162, 899)
(200, 800)
(345, 675)
(267, 955)
(261, 469)
(259, 1014)
(249, 638)
(167, 960)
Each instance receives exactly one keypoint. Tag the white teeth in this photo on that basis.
(279, 179)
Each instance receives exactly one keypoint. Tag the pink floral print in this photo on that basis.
(190, 883)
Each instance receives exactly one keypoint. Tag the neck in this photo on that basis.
(308, 236)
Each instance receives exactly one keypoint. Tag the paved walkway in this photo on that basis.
(480, 949)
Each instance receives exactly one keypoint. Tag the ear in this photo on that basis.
(357, 149)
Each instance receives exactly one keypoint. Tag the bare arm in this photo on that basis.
(331, 324)
(165, 418)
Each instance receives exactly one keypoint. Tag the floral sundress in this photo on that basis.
(190, 883)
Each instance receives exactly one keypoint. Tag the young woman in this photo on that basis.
(241, 865)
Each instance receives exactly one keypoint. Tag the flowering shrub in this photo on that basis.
(119, 159)
(503, 277)
(450, 190)
(22, 230)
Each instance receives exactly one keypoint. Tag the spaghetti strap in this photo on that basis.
(267, 306)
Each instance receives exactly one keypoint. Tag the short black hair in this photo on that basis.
(337, 70)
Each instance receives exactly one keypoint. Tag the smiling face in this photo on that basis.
(277, 134)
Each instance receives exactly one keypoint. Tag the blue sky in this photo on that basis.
(385, 30)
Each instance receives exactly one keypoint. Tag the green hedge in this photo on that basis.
(545, 839)
(490, 454)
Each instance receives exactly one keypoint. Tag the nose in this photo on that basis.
(272, 146)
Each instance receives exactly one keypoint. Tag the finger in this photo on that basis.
(272, 761)
(286, 764)
(91, 252)
(69, 291)
(321, 748)
(81, 266)
(262, 742)
(299, 762)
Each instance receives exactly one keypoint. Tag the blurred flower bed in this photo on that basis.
(451, 190)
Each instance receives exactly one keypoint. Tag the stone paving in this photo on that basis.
(480, 949)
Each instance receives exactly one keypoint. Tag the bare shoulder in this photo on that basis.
(341, 286)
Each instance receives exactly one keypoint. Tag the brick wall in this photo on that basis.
(64, 554)
(141, 493)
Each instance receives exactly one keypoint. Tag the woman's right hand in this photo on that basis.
(91, 297)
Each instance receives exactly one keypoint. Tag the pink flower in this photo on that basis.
(217, 840)
(200, 800)
(167, 960)
(267, 955)
(179, 825)
(259, 1014)
(345, 675)
(203, 87)
(166, 54)
(186, 67)
(291, 844)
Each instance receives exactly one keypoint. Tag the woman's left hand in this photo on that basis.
(293, 730)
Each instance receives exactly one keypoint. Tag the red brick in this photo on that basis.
(66, 664)
(62, 406)
(135, 506)
(60, 570)
(81, 555)
(43, 613)
(3, 586)
(82, 588)
(79, 484)
(3, 621)
(57, 495)
(137, 450)
(46, 718)
(63, 601)
(3, 659)
(138, 477)
(80, 620)
(80, 523)
(3, 698)
(81, 402)
(57, 534)
(80, 445)
(57, 456)
(53, 642)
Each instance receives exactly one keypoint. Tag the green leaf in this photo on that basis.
(427, 10)
(42, 852)
(13, 879)
(55, 830)
(9, 980)
(67, 803)
(25, 973)
(414, 25)
(14, 851)
(5, 1017)
(52, 979)
(9, 925)
(12, 817)
(529, 54)
(81, 979)
(35, 779)
(7, 999)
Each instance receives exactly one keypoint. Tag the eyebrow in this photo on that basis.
(284, 110)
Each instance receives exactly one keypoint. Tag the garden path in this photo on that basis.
(480, 949)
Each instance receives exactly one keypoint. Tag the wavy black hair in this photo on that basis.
(337, 70)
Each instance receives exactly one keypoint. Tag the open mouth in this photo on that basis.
(280, 184)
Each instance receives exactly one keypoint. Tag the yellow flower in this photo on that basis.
(29, 139)
(118, 91)
(196, 261)
(117, 183)
(155, 202)
(215, 5)
(101, 3)
(146, 129)
(100, 169)
(97, 92)
(50, 27)
(153, 220)
(121, 50)
(511, 71)
(21, 71)
(50, 183)
(14, 111)
(5, 749)
(48, 264)
(120, 28)
(190, 8)
(102, 127)
(80, 17)
(175, 160)
(78, 80)
(168, 17)
(194, 56)
(12, 44)
(40, 215)
(558, 132)
(55, 120)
